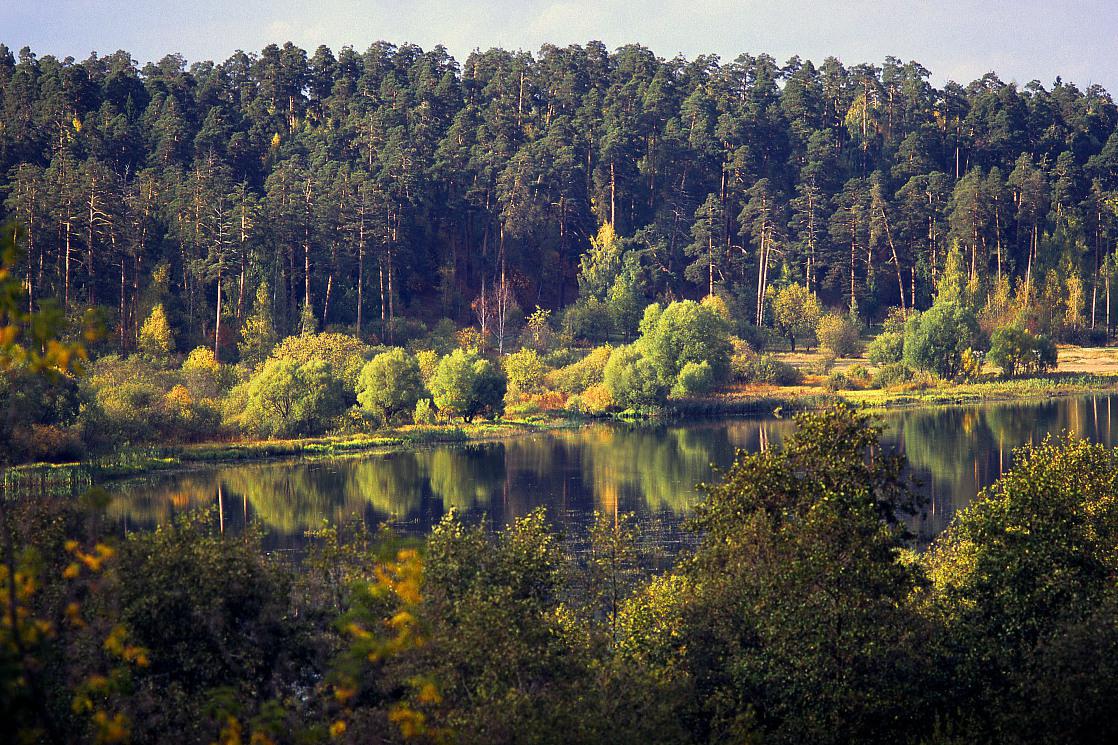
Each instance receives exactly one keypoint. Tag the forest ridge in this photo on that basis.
(373, 189)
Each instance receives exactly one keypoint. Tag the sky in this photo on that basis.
(961, 40)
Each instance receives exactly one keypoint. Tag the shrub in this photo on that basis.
(893, 374)
(389, 384)
(424, 412)
(836, 381)
(632, 379)
(886, 348)
(578, 376)
(742, 360)
(258, 334)
(287, 398)
(202, 373)
(936, 339)
(346, 355)
(525, 371)
(1016, 350)
(770, 371)
(839, 335)
(588, 319)
(695, 379)
(465, 385)
(686, 332)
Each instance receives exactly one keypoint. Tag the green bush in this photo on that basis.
(839, 335)
(425, 412)
(836, 381)
(695, 379)
(390, 384)
(588, 319)
(345, 354)
(768, 370)
(578, 376)
(796, 312)
(685, 332)
(894, 373)
(288, 398)
(936, 339)
(632, 379)
(1016, 350)
(525, 370)
(466, 385)
(886, 348)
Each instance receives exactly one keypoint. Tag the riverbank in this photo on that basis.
(1081, 371)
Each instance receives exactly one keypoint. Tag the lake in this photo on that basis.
(651, 471)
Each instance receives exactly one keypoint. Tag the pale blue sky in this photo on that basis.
(961, 40)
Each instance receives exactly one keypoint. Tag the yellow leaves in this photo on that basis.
(110, 729)
(411, 723)
(77, 123)
(275, 141)
(93, 561)
(338, 728)
(344, 693)
(73, 615)
(116, 643)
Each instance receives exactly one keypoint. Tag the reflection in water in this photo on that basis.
(653, 471)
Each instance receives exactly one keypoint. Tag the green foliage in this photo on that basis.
(346, 355)
(1015, 350)
(288, 398)
(466, 385)
(601, 265)
(155, 339)
(585, 373)
(390, 384)
(632, 379)
(258, 333)
(588, 319)
(839, 335)
(796, 312)
(695, 379)
(936, 339)
(766, 369)
(525, 371)
(886, 348)
(425, 412)
(684, 332)
(202, 374)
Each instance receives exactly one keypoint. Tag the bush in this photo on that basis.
(578, 376)
(685, 332)
(839, 335)
(1016, 350)
(836, 381)
(424, 412)
(886, 348)
(288, 398)
(203, 374)
(465, 385)
(525, 371)
(346, 355)
(588, 319)
(632, 379)
(742, 360)
(770, 371)
(895, 373)
(936, 339)
(389, 384)
(695, 379)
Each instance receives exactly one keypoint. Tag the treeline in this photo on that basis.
(802, 616)
(374, 189)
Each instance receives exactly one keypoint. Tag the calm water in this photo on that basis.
(651, 471)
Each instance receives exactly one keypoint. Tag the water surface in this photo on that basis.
(648, 470)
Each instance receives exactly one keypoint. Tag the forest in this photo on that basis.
(374, 191)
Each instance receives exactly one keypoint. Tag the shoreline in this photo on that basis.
(754, 402)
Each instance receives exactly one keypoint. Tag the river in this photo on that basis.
(652, 471)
